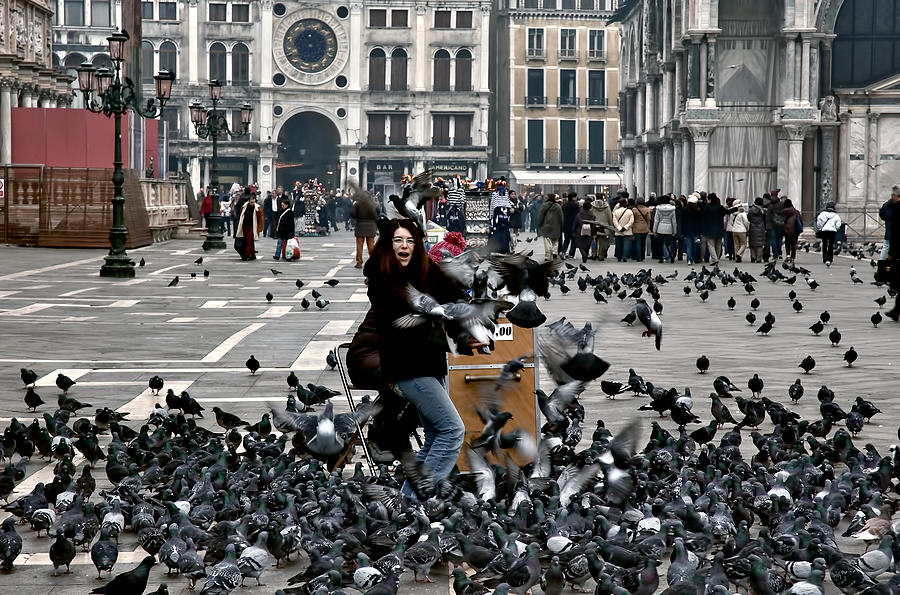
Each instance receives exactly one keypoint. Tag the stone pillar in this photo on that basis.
(843, 153)
(194, 49)
(5, 121)
(651, 183)
(628, 158)
(14, 96)
(640, 171)
(356, 51)
(781, 175)
(693, 66)
(678, 92)
(653, 103)
(677, 188)
(795, 163)
(482, 58)
(871, 157)
(668, 163)
(44, 100)
(704, 71)
(711, 71)
(641, 110)
(667, 100)
(196, 180)
(827, 173)
(804, 72)
(249, 171)
(826, 66)
(631, 113)
(701, 136)
(790, 67)
(422, 66)
(206, 172)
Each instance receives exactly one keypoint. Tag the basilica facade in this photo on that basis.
(742, 97)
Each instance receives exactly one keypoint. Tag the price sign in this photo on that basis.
(503, 332)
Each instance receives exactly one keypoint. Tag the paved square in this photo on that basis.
(58, 315)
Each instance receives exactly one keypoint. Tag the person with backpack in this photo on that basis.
(793, 225)
(827, 225)
(775, 223)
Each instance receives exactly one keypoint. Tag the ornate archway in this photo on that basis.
(308, 147)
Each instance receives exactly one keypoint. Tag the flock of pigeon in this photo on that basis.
(721, 508)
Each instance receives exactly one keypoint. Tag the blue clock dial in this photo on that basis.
(310, 45)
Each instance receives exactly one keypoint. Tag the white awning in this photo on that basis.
(567, 178)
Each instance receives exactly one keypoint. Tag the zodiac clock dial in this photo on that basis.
(310, 45)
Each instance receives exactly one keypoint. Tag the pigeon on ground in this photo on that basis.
(795, 391)
(227, 420)
(254, 559)
(199, 260)
(10, 544)
(331, 360)
(269, 297)
(276, 272)
(332, 282)
(173, 282)
(817, 327)
(808, 364)
(304, 303)
(156, 384)
(299, 284)
(29, 377)
(755, 384)
(850, 356)
(834, 336)
(650, 321)
(703, 364)
(252, 364)
(133, 581)
(142, 262)
(32, 399)
(104, 553)
(64, 383)
(876, 319)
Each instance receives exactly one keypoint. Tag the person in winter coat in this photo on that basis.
(884, 213)
(602, 214)
(364, 213)
(250, 224)
(640, 228)
(827, 225)
(550, 225)
(728, 245)
(499, 239)
(791, 233)
(225, 208)
(515, 212)
(758, 233)
(455, 220)
(894, 253)
(206, 209)
(570, 211)
(665, 226)
(284, 228)
(691, 217)
(740, 227)
(775, 224)
(584, 232)
(712, 226)
(623, 222)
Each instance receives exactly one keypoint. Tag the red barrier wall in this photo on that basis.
(72, 138)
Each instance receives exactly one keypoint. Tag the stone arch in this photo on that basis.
(309, 142)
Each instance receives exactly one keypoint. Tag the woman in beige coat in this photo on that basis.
(623, 221)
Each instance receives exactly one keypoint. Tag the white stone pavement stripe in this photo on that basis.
(313, 355)
(226, 345)
(139, 408)
(6, 293)
(174, 266)
(81, 559)
(337, 327)
(50, 379)
(183, 319)
(28, 309)
(275, 312)
(97, 361)
(54, 267)
(214, 303)
(134, 282)
(123, 303)
(77, 291)
(333, 271)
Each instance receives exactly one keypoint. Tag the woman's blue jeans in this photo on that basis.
(443, 427)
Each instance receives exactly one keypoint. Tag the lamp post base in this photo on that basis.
(211, 243)
(214, 240)
(119, 267)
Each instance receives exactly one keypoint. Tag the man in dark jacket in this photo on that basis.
(884, 213)
(284, 228)
(894, 253)
(570, 211)
(550, 224)
(775, 224)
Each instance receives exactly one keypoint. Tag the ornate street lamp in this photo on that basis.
(104, 92)
(212, 124)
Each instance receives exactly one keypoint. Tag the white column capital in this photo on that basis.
(796, 132)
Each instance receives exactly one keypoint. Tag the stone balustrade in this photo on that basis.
(166, 204)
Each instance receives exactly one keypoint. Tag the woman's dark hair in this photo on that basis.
(787, 204)
(383, 253)
(586, 205)
(713, 198)
(758, 201)
(631, 202)
(664, 199)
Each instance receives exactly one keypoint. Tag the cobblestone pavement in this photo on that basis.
(58, 315)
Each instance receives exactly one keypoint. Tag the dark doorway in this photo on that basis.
(308, 148)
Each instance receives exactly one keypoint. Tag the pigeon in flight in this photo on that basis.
(173, 282)
(650, 321)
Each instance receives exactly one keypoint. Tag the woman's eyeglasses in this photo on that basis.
(404, 241)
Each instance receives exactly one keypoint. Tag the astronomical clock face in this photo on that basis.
(310, 45)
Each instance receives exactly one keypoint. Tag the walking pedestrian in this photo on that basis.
(712, 226)
(894, 253)
(775, 224)
(603, 219)
(827, 225)
(740, 227)
(417, 372)
(284, 228)
(584, 230)
(206, 209)
(363, 211)
(225, 207)
(758, 233)
(793, 225)
(623, 221)
(640, 228)
(570, 211)
(515, 212)
(550, 225)
(885, 214)
(249, 225)
(665, 227)
(268, 211)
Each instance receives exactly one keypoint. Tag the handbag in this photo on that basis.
(886, 272)
(799, 224)
(585, 229)
(239, 244)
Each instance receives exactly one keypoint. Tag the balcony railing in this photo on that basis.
(571, 157)
(535, 100)
(568, 54)
(566, 102)
(597, 55)
(536, 53)
(580, 5)
(597, 102)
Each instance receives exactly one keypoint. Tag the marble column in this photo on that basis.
(651, 183)
(711, 70)
(687, 175)
(249, 171)
(5, 121)
(871, 156)
(804, 71)
(482, 58)
(676, 165)
(667, 98)
(44, 100)
(653, 103)
(678, 92)
(843, 152)
(640, 111)
(826, 66)
(693, 66)
(422, 65)
(783, 172)
(356, 52)
(206, 172)
(640, 172)
(631, 113)
(704, 71)
(701, 136)
(194, 49)
(827, 175)
(628, 158)
(14, 96)
(668, 157)
(196, 180)
(795, 163)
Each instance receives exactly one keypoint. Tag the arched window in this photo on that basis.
(463, 70)
(102, 60)
(398, 70)
(376, 70)
(148, 68)
(168, 57)
(867, 47)
(240, 65)
(217, 62)
(442, 70)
